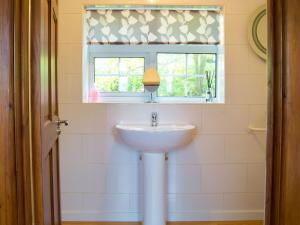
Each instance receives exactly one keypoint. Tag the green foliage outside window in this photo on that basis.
(119, 74)
(184, 74)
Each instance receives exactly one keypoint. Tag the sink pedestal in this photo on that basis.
(155, 206)
(154, 142)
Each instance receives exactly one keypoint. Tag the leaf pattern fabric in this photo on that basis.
(153, 27)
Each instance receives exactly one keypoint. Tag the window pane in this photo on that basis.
(185, 74)
(199, 63)
(119, 74)
(131, 66)
(106, 66)
(107, 83)
(119, 84)
(171, 64)
(172, 86)
(135, 84)
(197, 87)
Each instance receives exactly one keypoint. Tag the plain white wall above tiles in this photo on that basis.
(236, 59)
(69, 59)
(220, 176)
(237, 27)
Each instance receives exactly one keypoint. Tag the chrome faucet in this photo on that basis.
(154, 119)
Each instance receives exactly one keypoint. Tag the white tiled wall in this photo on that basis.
(220, 176)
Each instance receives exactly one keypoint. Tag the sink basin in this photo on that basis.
(159, 139)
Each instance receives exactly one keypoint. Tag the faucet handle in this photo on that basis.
(154, 119)
(154, 115)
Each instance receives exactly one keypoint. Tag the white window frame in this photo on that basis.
(149, 53)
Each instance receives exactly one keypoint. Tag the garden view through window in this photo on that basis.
(182, 75)
(119, 74)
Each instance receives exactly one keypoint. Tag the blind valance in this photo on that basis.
(153, 26)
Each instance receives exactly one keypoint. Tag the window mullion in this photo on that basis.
(186, 75)
(119, 72)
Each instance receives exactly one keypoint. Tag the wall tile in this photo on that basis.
(236, 29)
(96, 178)
(172, 179)
(73, 24)
(203, 149)
(179, 114)
(96, 147)
(258, 115)
(73, 177)
(188, 179)
(258, 118)
(70, 149)
(106, 203)
(161, 2)
(122, 178)
(136, 203)
(103, 148)
(244, 148)
(72, 201)
(69, 60)
(224, 119)
(244, 201)
(244, 7)
(224, 178)
(70, 89)
(199, 202)
(248, 89)
(129, 114)
(256, 177)
(256, 64)
(84, 118)
(236, 59)
(74, 6)
(171, 203)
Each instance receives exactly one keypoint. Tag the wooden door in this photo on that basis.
(283, 159)
(45, 112)
(8, 198)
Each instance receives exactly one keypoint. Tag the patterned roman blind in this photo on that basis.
(133, 27)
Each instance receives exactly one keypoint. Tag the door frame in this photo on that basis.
(15, 151)
(8, 195)
(275, 114)
(283, 106)
(20, 134)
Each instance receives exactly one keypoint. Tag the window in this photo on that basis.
(122, 44)
(118, 75)
(184, 75)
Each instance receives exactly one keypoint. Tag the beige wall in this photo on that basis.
(219, 176)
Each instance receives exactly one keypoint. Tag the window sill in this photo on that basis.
(159, 100)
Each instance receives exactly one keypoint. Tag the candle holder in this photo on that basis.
(151, 89)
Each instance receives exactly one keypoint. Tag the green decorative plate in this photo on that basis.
(258, 37)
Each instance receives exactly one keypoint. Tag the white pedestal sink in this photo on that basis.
(154, 142)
